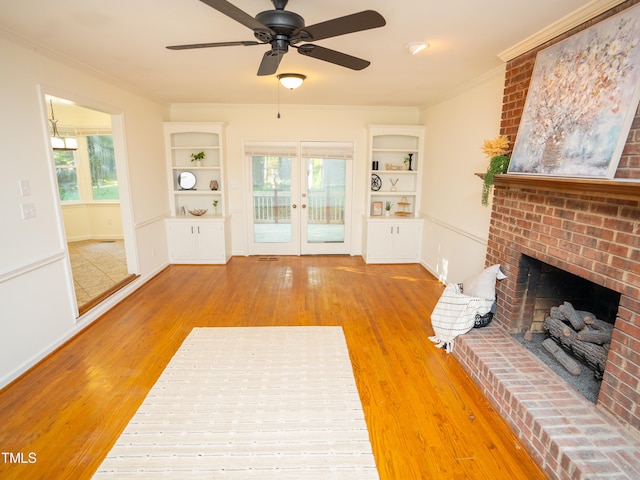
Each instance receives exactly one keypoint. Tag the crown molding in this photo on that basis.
(579, 16)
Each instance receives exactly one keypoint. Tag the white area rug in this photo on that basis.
(246, 403)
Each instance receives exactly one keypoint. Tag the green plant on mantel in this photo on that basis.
(499, 163)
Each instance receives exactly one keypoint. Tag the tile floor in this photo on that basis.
(97, 265)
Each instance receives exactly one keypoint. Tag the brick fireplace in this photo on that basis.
(595, 236)
(590, 229)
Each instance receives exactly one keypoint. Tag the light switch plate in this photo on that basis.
(25, 188)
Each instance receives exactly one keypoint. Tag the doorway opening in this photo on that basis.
(85, 168)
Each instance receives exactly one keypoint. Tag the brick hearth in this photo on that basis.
(567, 435)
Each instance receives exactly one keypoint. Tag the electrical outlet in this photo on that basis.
(28, 210)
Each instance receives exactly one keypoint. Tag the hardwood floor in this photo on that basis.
(426, 417)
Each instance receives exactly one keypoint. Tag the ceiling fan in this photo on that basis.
(282, 29)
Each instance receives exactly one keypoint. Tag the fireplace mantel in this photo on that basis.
(609, 188)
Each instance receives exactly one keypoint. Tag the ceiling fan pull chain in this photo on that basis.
(278, 87)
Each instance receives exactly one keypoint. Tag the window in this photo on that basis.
(102, 164)
(67, 175)
(88, 173)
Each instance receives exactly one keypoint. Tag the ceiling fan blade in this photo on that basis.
(332, 56)
(355, 22)
(269, 64)
(246, 43)
(238, 15)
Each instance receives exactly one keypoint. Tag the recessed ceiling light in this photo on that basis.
(417, 47)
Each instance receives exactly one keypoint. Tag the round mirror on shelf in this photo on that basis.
(186, 181)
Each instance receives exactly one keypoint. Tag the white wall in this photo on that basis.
(251, 122)
(38, 310)
(92, 221)
(457, 225)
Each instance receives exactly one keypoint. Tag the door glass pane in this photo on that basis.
(326, 182)
(271, 199)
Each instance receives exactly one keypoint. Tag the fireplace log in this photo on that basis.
(597, 324)
(595, 336)
(593, 354)
(561, 356)
(574, 317)
(557, 314)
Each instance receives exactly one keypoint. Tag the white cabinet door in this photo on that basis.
(407, 241)
(210, 240)
(380, 242)
(182, 241)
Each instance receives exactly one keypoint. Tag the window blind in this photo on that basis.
(271, 149)
(338, 150)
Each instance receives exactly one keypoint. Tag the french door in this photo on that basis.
(300, 198)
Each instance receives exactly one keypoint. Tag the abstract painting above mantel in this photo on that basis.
(581, 102)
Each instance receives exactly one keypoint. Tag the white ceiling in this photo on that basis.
(125, 41)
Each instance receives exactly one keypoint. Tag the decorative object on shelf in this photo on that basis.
(376, 209)
(387, 208)
(494, 149)
(213, 185)
(376, 183)
(408, 160)
(197, 158)
(391, 166)
(404, 207)
(581, 102)
(186, 181)
(197, 212)
(394, 181)
(374, 165)
(215, 206)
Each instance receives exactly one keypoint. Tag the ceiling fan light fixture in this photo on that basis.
(417, 47)
(291, 80)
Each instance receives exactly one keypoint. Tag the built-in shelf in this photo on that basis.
(611, 188)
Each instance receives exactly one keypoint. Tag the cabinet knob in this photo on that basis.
(303, 206)
(294, 206)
